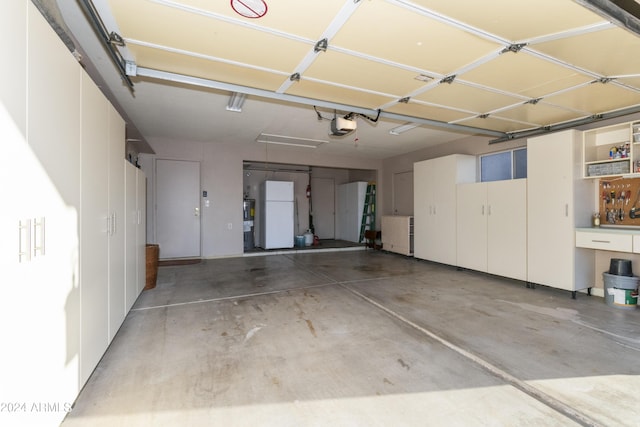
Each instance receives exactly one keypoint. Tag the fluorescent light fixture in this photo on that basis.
(289, 140)
(236, 101)
(405, 127)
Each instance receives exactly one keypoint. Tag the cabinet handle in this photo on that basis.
(139, 217)
(24, 241)
(482, 209)
(38, 237)
(115, 224)
(489, 210)
(601, 241)
(566, 209)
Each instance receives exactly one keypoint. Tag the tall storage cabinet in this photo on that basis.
(135, 225)
(435, 205)
(39, 219)
(558, 201)
(492, 227)
(349, 210)
(94, 228)
(58, 131)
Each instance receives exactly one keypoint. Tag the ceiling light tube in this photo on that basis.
(236, 101)
(401, 129)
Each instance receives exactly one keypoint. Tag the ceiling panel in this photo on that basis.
(315, 90)
(495, 123)
(387, 31)
(415, 109)
(524, 74)
(467, 97)
(198, 67)
(358, 72)
(539, 114)
(604, 52)
(596, 98)
(516, 21)
(139, 20)
(285, 16)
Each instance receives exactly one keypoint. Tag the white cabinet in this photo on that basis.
(60, 186)
(116, 149)
(40, 187)
(397, 234)
(102, 231)
(135, 196)
(472, 226)
(558, 201)
(606, 241)
(94, 228)
(349, 210)
(492, 227)
(435, 212)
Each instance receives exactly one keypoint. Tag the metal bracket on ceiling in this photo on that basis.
(533, 101)
(115, 39)
(131, 68)
(448, 79)
(321, 46)
(404, 100)
(483, 116)
(515, 48)
(295, 77)
(95, 21)
(604, 80)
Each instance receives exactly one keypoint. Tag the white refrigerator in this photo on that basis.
(276, 214)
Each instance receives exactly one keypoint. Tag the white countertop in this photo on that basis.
(611, 229)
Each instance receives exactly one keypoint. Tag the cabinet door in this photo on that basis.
(131, 234)
(507, 228)
(442, 227)
(141, 230)
(93, 228)
(550, 169)
(116, 209)
(422, 208)
(472, 226)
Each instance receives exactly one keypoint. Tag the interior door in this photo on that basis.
(178, 208)
(324, 206)
(403, 193)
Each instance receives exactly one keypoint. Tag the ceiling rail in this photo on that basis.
(134, 70)
(107, 39)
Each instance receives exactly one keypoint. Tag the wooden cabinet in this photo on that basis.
(397, 234)
(558, 201)
(435, 201)
(492, 227)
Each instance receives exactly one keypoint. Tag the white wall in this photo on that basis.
(223, 178)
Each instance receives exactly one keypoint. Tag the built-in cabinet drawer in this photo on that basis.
(606, 241)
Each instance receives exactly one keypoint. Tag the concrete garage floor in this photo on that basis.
(362, 338)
